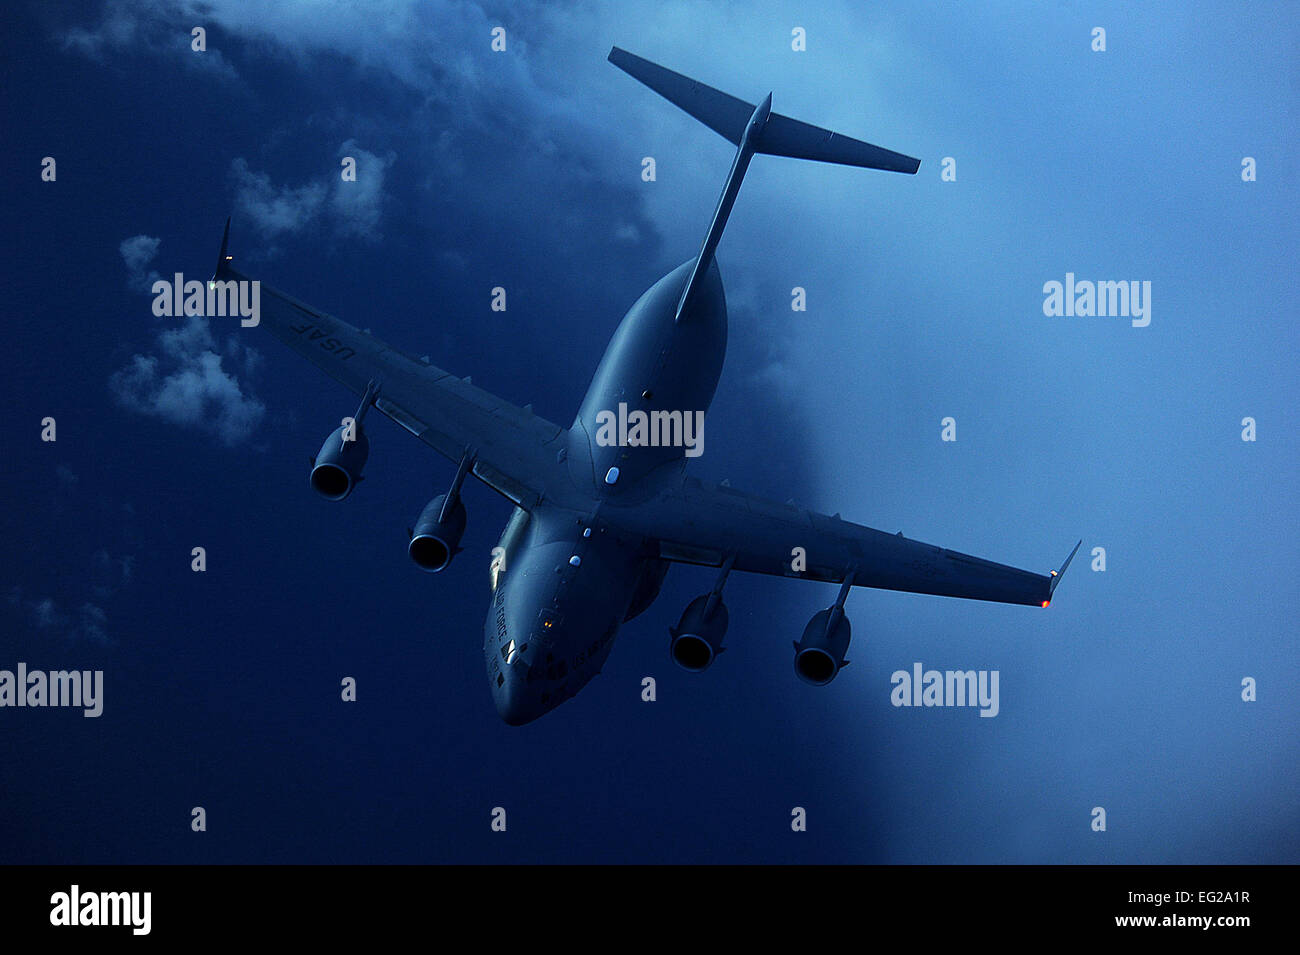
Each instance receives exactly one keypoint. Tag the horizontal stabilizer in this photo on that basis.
(723, 114)
(780, 135)
(783, 136)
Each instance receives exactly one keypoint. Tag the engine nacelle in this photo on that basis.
(337, 468)
(697, 638)
(820, 654)
(436, 538)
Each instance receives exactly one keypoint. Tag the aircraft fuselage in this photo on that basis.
(564, 582)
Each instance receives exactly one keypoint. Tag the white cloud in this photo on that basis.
(118, 28)
(45, 614)
(137, 252)
(157, 29)
(194, 391)
(357, 205)
(186, 379)
(352, 208)
(275, 210)
(94, 623)
(108, 574)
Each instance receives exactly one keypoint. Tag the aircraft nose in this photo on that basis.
(515, 705)
(514, 713)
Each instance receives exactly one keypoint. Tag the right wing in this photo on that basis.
(698, 524)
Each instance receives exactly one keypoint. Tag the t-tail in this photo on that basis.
(753, 129)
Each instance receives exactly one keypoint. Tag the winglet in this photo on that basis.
(222, 257)
(1058, 574)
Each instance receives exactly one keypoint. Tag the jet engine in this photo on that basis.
(337, 469)
(820, 654)
(436, 536)
(697, 638)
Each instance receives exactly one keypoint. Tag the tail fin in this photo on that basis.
(780, 136)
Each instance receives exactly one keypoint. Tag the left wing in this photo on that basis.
(699, 524)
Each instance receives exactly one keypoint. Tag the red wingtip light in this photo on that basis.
(1047, 603)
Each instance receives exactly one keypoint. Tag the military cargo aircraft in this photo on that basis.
(604, 507)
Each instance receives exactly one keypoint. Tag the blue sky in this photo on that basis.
(522, 169)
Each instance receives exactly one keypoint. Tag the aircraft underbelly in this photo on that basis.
(648, 398)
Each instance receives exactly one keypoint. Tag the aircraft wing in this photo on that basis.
(515, 450)
(702, 524)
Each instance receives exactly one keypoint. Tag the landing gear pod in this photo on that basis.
(697, 638)
(436, 537)
(337, 468)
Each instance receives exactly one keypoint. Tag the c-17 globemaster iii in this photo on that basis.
(600, 518)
